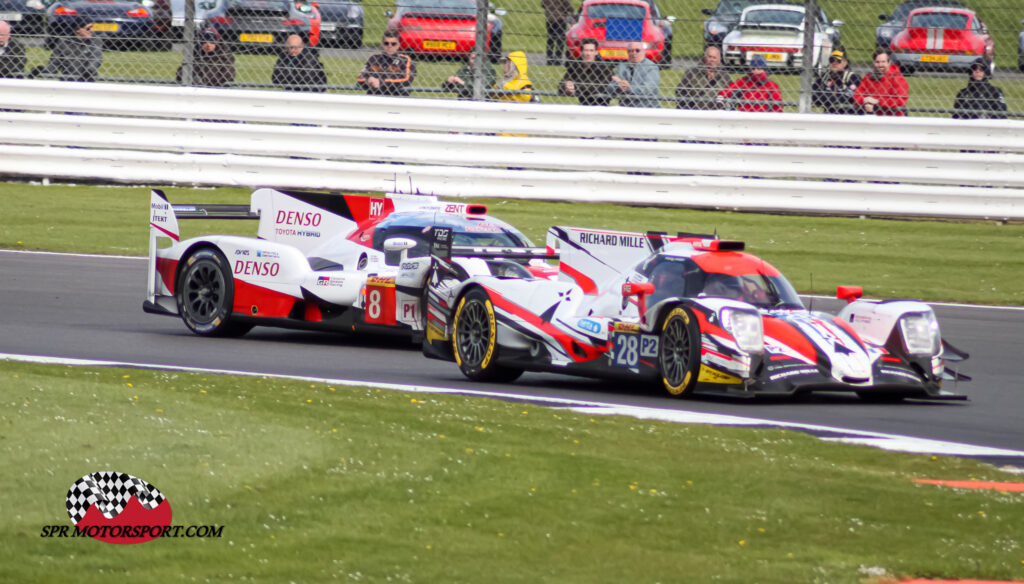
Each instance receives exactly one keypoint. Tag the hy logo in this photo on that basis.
(118, 508)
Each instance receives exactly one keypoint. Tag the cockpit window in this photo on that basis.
(483, 232)
(683, 278)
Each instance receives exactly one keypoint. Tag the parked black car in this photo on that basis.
(341, 23)
(264, 25)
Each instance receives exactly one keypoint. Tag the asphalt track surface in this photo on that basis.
(90, 307)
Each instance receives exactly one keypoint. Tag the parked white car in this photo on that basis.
(776, 32)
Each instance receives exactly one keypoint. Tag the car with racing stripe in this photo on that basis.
(322, 261)
(942, 39)
(689, 312)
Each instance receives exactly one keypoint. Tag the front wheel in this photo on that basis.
(475, 339)
(679, 352)
(206, 294)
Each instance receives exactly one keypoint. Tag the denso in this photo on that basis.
(297, 218)
(250, 268)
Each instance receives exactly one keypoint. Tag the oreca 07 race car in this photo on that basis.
(319, 261)
(693, 312)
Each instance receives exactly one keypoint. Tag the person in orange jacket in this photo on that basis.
(884, 91)
(754, 91)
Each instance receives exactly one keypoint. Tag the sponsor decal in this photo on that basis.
(410, 310)
(376, 207)
(159, 219)
(116, 507)
(387, 281)
(410, 265)
(483, 228)
(625, 327)
(298, 219)
(792, 373)
(611, 239)
(330, 281)
(257, 268)
(458, 208)
(296, 232)
(267, 254)
(589, 326)
(159, 206)
(241, 252)
(709, 375)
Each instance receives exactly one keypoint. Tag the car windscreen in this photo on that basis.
(457, 6)
(681, 277)
(939, 20)
(903, 10)
(769, 17)
(622, 11)
(733, 8)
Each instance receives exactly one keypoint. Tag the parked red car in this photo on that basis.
(615, 23)
(443, 27)
(942, 39)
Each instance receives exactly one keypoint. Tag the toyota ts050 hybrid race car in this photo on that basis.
(320, 261)
(691, 311)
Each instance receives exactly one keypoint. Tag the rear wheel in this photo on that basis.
(206, 293)
(475, 339)
(679, 352)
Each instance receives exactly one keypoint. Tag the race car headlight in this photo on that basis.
(745, 327)
(920, 333)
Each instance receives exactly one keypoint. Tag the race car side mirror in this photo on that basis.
(849, 293)
(398, 244)
(641, 290)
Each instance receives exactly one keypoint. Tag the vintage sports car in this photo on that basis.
(615, 23)
(893, 24)
(724, 18)
(264, 25)
(443, 27)
(942, 39)
(319, 261)
(776, 32)
(690, 312)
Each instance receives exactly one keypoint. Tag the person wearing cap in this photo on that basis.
(12, 53)
(753, 92)
(700, 85)
(77, 57)
(883, 92)
(636, 81)
(833, 90)
(980, 99)
(298, 68)
(214, 63)
(388, 72)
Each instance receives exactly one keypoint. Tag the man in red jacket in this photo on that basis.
(754, 91)
(884, 91)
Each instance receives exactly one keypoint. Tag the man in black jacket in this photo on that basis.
(833, 91)
(388, 72)
(12, 53)
(587, 78)
(77, 57)
(980, 99)
(298, 69)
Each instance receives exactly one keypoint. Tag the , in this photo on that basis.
(690, 313)
(319, 261)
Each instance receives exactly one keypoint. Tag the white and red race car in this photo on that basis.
(692, 312)
(319, 261)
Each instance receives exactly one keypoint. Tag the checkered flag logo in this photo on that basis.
(110, 492)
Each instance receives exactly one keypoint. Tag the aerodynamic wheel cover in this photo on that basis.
(675, 351)
(204, 292)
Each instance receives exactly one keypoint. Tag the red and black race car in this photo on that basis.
(942, 39)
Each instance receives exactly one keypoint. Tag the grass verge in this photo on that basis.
(974, 262)
(314, 483)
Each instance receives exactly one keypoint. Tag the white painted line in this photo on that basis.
(893, 442)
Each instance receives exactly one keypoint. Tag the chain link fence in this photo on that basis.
(534, 50)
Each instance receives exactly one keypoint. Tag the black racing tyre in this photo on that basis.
(475, 339)
(679, 352)
(206, 292)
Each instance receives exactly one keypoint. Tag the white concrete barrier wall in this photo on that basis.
(781, 162)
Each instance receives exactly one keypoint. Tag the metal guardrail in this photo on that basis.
(776, 162)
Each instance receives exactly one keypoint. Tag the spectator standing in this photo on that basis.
(78, 56)
(883, 92)
(700, 86)
(462, 82)
(515, 78)
(980, 99)
(214, 64)
(298, 68)
(754, 91)
(388, 72)
(12, 53)
(587, 78)
(557, 14)
(833, 90)
(636, 81)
